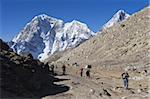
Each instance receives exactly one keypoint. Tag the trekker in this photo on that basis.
(88, 73)
(88, 67)
(81, 72)
(46, 66)
(64, 69)
(52, 69)
(125, 77)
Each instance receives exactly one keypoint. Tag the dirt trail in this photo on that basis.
(99, 87)
(125, 46)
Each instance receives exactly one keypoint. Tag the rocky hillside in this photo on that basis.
(24, 77)
(124, 44)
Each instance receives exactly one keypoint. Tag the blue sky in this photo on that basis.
(14, 14)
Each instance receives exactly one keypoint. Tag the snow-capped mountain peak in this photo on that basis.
(42, 16)
(118, 17)
(41, 23)
(74, 33)
(44, 35)
(45, 17)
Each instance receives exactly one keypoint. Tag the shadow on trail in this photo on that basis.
(52, 90)
(59, 74)
(58, 80)
(45, 90)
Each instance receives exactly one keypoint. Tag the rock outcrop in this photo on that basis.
(23, 77)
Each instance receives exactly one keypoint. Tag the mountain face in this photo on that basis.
(123, 45)
(45, 35)
(118, 17)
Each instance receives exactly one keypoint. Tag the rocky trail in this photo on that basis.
(100, 87)
(124, 46)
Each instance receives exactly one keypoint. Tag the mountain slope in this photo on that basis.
(118, 17)
(45, 35)
(24, 77)
(124, 44)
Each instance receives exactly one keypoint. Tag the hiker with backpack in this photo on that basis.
(88, 73)
(52, 69)
(64, 69)
(125, 77)
(81, 72)
(88, 67)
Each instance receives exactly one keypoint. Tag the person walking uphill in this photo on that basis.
(125, 77)
(88, 73)
(64, 69)
(88, 67)
(81, 72)
(52, 69)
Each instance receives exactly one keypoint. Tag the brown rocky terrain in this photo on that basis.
(24, 77)
(125, 46)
